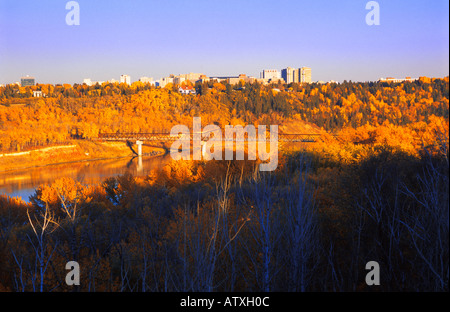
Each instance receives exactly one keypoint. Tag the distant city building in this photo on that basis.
(37, 93)
(270, 74)
(296, 75)
(288, 74)
(178, 80)
(146, 80)
(221, 78)
(305, 75)
(193, 77)
(396, 80)
(87, 81)
(90, 83)
(236, 80)
(232, 80)
(164, 81)
(113, 81)
(302, 75)
(125, 79)
(27, 81)
(204, 78)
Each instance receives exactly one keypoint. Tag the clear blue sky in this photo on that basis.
(156, 38)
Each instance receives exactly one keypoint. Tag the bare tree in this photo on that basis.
(428, 226)
(264, 228)
(301, 231)
(42, 226)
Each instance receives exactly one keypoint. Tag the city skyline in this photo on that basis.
(173, 79)
(302, 75)
(159, 39)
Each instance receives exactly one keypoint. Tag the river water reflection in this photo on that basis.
(23, 183)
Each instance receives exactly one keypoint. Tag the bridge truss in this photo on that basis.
(167, 137)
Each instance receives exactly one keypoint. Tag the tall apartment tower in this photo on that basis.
(305, 74)
(288, 74)
(125, 79)
(302, 74)
(296, 75)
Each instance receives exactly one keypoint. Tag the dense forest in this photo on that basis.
(81, 111)
(376, 188)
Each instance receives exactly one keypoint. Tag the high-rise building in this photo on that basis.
(125, 79)
(302, 75)
(27, 81)
(288, 74)
(305, 75)
(296, 75)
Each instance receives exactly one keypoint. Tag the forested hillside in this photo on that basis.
(375, 189)
(82, 112)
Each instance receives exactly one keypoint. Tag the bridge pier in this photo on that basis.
(139, 145)
(203, 143)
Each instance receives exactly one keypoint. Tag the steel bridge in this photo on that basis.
(203, 137)
(167, 137)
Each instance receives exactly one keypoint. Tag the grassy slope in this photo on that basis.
(296, 125)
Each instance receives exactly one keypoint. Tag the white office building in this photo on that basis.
(146, 80)
(88, 81)
(270, 74)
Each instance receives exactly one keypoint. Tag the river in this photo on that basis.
(23, 183)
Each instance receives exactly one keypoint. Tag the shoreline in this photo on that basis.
(156, 152)
(45, 149)
(79, 161)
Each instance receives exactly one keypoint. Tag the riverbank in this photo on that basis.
(78, 150)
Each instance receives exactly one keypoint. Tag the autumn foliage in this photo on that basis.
(373, 188)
